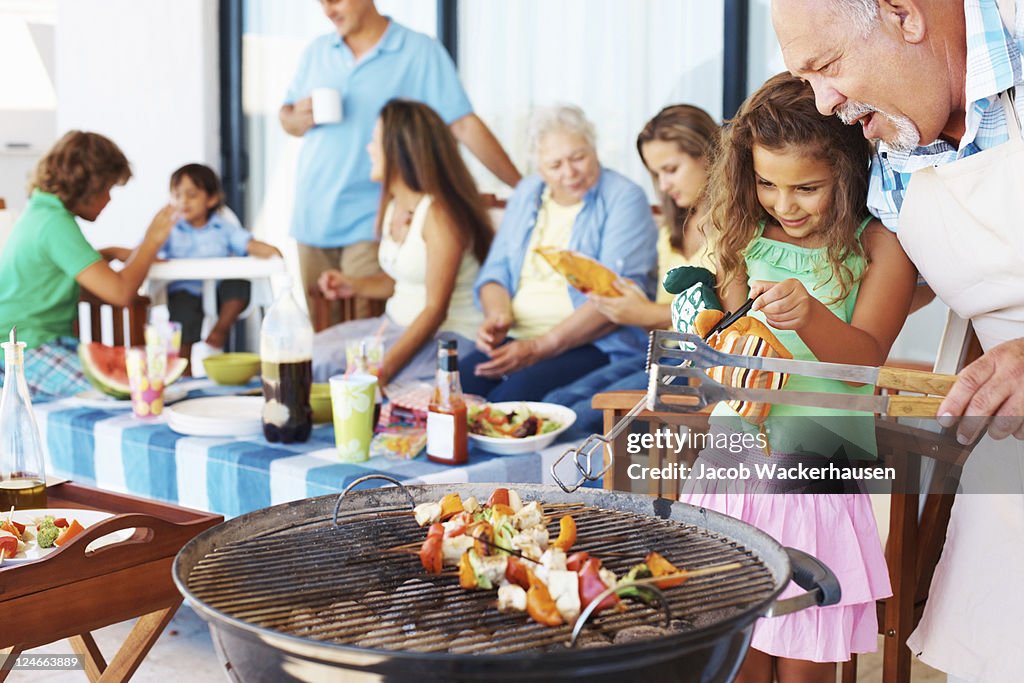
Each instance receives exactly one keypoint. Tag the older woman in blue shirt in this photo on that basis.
(538, 332)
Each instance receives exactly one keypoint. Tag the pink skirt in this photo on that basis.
(838, 529)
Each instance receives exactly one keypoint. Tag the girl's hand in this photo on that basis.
(627, 309)
(335, 285)
(160, 227)
(786, 305)
(506, 359)
(492, 332)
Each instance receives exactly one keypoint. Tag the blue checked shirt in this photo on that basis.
(993, 66)
(219, 238)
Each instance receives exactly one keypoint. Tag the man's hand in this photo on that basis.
(336, 285)
(786, 305)
(506, 359)
(492, 333)
(992, 386)
(297, 118)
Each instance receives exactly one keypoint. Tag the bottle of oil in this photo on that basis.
(22, 477)
(447, 433)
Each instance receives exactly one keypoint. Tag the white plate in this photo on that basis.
(94, 398)
(510, 446)
(86, 518)
(217, 416)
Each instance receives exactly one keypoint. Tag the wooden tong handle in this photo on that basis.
(914, 406)
(917, 381)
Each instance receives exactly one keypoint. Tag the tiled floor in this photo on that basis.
(185, 647)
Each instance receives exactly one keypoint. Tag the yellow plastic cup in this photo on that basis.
(352, 402)
(146, 389)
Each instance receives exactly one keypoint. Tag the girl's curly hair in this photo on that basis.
(780, 116)
(80, 165)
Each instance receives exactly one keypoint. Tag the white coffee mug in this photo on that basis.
(326, 105)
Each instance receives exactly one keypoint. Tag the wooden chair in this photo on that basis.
(326, 313)
(128, 322)
(914, 541)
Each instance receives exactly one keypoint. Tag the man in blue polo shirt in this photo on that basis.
(369, 59)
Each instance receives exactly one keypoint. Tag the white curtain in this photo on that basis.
(619, 60)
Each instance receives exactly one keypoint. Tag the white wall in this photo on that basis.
(146, 75)
(27, 97)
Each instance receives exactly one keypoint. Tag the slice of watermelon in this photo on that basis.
(105, 368)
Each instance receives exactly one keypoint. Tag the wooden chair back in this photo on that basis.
(127, 323)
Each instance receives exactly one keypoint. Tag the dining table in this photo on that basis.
(100, 443)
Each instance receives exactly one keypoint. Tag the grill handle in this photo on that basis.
(360, 480)
(581, 620)
(811, 573)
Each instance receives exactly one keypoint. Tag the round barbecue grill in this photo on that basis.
(289, 596)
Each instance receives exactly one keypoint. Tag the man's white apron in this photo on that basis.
(962, 224)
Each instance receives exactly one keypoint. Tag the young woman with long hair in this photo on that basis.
(434, 233)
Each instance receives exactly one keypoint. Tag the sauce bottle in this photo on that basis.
(22, 476)
(447, 430)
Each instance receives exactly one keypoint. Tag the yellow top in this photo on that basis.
(669, 258)
(542, 300)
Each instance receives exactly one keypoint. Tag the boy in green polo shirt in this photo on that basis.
(47, 257)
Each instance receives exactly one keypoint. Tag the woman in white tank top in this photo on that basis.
(434, 234)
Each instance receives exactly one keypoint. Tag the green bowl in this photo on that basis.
(232, 368)
(320, 401)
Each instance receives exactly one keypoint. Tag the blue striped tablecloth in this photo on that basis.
(111, 449)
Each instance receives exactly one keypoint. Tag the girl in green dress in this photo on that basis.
(787, 200)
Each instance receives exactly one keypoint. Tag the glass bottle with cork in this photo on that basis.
(22, 475)
(447, 431)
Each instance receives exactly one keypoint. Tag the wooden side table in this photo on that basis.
(71, 593)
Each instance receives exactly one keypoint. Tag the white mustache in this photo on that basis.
(906, 137)
(851, 110)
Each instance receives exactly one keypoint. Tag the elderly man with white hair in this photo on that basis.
(936, 82)
(538, 332)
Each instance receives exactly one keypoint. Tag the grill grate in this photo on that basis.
(338, 584)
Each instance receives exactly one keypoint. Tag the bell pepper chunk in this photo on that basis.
(539, 604)
(502, 510)
(566, 533)
(14, 528)
(517, 573)
(498, 497)
(591, 586)
(451, 505)
(483, 538)
(430, 551)
(659, 566)
(72, 530)
(467, 575)
(577, 560)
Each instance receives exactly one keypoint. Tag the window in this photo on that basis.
(619, 60)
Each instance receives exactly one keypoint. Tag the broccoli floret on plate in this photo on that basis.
(46, 535)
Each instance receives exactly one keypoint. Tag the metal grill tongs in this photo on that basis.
(667, 348)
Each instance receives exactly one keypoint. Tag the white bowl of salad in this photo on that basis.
(515, 427)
